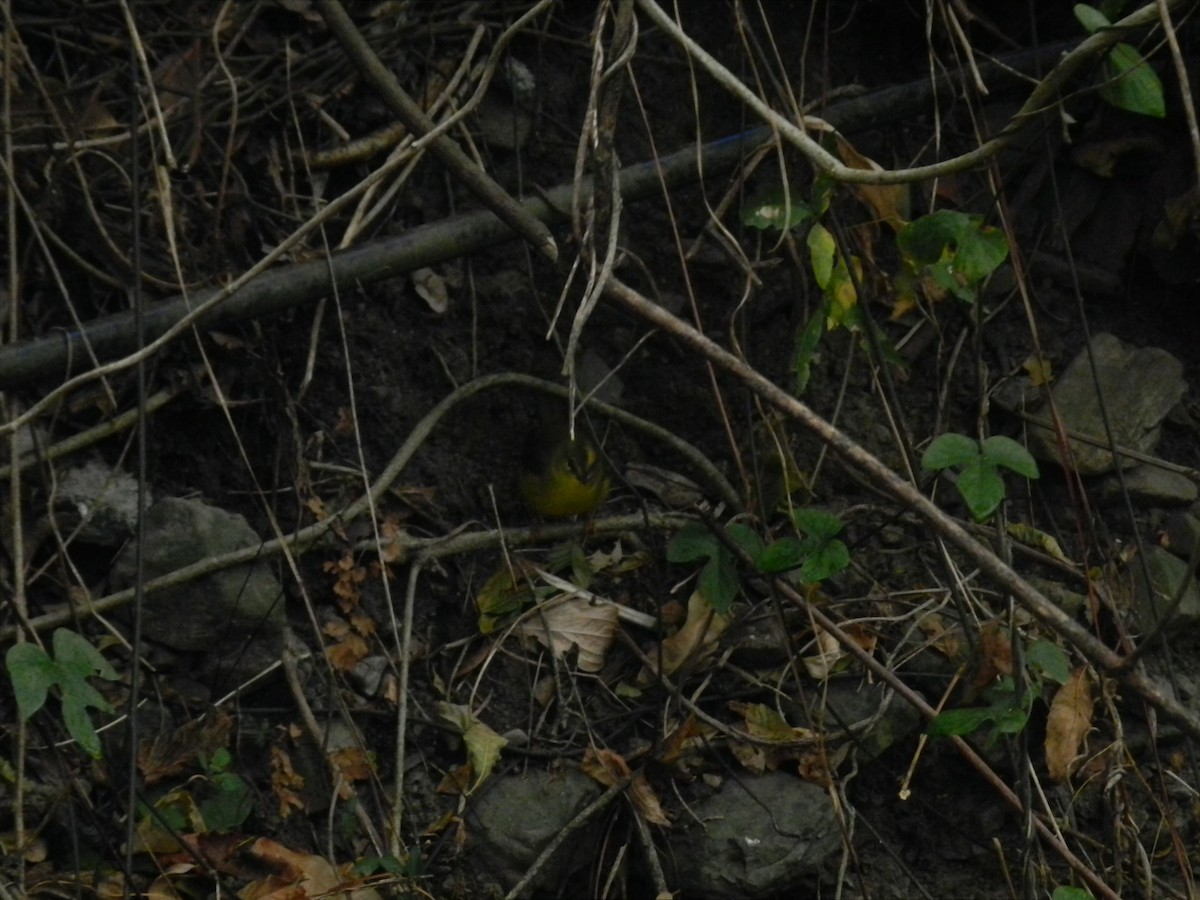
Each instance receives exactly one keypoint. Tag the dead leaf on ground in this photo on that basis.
(695, 641)
(482, 743)
(1067, 725)
(171, 753)
(573, 622)
(609, 768)
(993, 658)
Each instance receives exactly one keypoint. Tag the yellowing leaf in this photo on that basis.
(1068, 723)
(768, 724)
(483, 744)
(505, 593)
(889, 202)
(1032, 537)
(1040, 371)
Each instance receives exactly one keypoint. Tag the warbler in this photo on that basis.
(561, 476)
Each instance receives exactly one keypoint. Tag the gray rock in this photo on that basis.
(513, 820)
(1150, 486)
(97, 504)
(219, 611)
(1182, 532)
(877, 716)
(1166, 573)
(762, 836)
(1139, 385)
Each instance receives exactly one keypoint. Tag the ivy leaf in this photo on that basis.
(1004, 451)
(981, 487)
(949, 450)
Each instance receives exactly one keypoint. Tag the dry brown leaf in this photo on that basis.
(286, 783)
(296, 875)
(352, 762)
(1067, 725)
(994, 658)
(694, 641)
(829, 654)
(431, 287)
(573, 622)
(347, 653)
(170, 754)
(889, 202)
(946, 640)
(604, 766)
(609, 768)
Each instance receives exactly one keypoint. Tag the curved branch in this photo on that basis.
(1042, 96)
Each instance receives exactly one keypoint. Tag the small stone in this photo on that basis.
(1166, 573)
(1140, 386)
(1150, 486)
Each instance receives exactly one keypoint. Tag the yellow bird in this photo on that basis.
(559, 476)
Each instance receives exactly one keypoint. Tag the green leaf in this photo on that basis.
(805, 351)
(955, 249)
(33, 673)
(719, 582)
(1011, 720)
(832, 557)
(1048, 660)
(981, 487)
(79, 658)
(780, 556)
(691, 543)
(746, 538)
(776, 209)
(959, 722)
(1090, 18)
(1066, 892)
(79, 725)
(230, 804)
(1131, 84)
(948, 450)
(822, 250)
(1004, 451)
(817, 523)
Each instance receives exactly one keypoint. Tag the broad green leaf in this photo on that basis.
(77, 656)
(959, 722)
(1004, 451)
(981, 250)
(822, 249)
(691, 543)
(1090, 18)
(780, 556)
(1011, 721)
(954, 249)
(807, 341)
(719, 582)
(230, 803)
(33, 673)
(981, 487)
(79, 725)
(948, 450)
(1066, 892)
(746, 538)
(1131, 84)
(1049, 660)
(832, 558)
(776, 209)
(817, 523)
